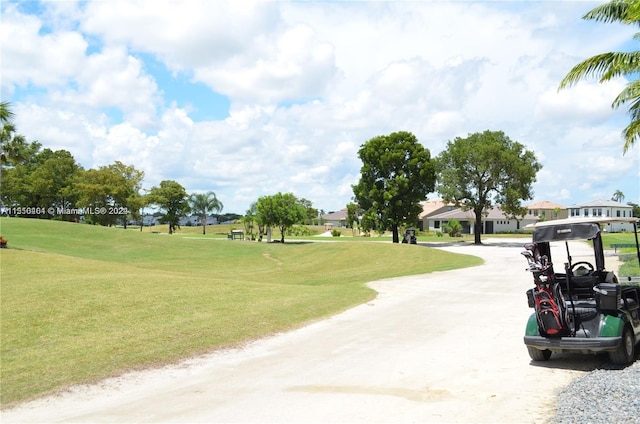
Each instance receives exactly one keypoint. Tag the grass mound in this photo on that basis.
(81, 302)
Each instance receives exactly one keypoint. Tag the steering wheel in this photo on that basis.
(588, 266)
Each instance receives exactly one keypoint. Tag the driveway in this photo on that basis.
(444, 347)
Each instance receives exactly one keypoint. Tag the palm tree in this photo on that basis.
(618, 196)
(607, 66)
(13, 147)
(6, 115)
(7, 130)
(202, 204)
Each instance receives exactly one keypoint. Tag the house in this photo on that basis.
(432, 207)
(335, 219)
(494, 222)
(604, 208)
(547, 211)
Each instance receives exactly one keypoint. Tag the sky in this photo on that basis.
(252, 98)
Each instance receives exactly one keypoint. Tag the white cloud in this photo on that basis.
(112, 78)
(587, 102)
(30, 57)
(293, 66)
(185, 34)
(308, 83)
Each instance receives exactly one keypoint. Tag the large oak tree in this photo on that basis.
(484, 169)
(397, 174)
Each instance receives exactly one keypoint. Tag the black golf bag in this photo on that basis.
(546, 297)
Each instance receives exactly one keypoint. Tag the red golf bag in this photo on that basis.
(546, 297)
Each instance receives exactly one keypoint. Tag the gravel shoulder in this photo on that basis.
(444, 347)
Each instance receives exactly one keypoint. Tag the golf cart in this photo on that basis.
(585, 309)
(409, 236)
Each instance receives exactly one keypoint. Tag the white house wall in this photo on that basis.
(605, 211)
(499, 225)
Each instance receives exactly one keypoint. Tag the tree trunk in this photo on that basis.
(394, 230)
(204, 224)
(477, 228)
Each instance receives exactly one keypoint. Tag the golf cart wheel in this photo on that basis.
(539, 355)
(626, 352)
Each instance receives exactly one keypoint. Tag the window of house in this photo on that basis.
(617, 214)
(436, 224)
(586, 212)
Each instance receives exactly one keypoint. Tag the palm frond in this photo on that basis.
(605, 66)
(630, 93)
(624, 63)
(634, 111)
(6, 114)
(631, 135)
(623, 11)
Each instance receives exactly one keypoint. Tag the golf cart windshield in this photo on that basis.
(579, 228)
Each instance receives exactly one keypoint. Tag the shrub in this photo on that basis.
(298, 230)
(453, 228)
(336, 233)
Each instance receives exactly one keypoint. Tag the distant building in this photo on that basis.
(604, 208)
(432, 207)
(494, 222)
(547, 211)
(185, 221)
(335, 219)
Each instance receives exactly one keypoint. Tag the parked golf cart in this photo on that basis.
(410, 236)
(584, 309)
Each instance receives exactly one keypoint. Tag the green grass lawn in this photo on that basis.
(82, 302)
(346, 234)
(630, 266)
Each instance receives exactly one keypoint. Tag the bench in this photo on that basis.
(236, 234)
(616, 246)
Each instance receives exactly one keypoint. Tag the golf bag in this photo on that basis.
(546, 297)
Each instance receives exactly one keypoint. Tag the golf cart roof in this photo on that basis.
(585, 228)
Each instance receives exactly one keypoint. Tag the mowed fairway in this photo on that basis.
(80, 302)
